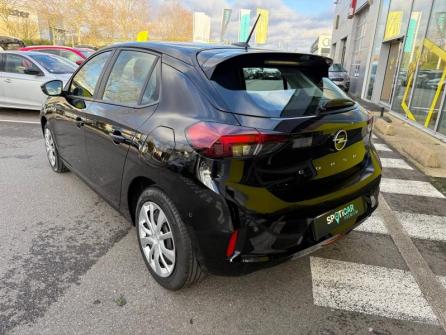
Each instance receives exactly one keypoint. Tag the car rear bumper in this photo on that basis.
(266, 239)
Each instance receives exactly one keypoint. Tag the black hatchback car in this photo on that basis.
(226, 159)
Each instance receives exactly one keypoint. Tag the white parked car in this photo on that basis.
(23, 72)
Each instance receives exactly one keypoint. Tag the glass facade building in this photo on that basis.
(407, 62)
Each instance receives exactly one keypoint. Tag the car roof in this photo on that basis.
(21, 52)
(57, 47)
(212, 54)
(180, 50)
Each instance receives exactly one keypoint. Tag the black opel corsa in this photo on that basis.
(227, 159)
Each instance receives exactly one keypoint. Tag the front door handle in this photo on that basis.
(117, 137)
(79, 122)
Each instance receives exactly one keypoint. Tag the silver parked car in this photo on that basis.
(23, 72)
(339, 76)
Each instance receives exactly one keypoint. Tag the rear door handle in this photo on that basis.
(117, 137)
(79, 122)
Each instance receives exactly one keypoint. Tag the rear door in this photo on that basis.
(70, 119)
(128, 96)
(21, 90)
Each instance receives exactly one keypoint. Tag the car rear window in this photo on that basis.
(277, 89)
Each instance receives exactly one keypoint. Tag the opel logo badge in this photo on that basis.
(340, 140)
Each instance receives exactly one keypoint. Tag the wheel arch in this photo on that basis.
(136, 187)
(43, 122)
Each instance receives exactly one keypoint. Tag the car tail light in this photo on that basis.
(232, 243)
(217, 140)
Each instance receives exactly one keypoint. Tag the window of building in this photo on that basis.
(128, 77)
(379, 35)
(337, 22)
(343, 49)
(412, 48)
(428, 95)
(359, 52)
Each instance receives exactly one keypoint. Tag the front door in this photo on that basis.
(68, 125)
(128, 99)
(392, 63)
(21, 90)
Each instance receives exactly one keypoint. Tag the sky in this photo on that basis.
(294, 24)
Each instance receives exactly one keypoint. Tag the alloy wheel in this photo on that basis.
(50, 148)
(156, 239)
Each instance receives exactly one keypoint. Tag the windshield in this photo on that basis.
(54, 64)
(279, 91)
(336, 68)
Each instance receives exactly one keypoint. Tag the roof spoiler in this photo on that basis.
(210, 59)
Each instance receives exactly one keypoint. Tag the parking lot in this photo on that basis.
(71, 265)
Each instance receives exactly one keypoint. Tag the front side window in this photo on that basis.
(128, 77)
(85, 81)
(18, 64)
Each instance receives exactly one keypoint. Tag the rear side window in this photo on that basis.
(151, 92)
(18, 64)
(85, 81)
(70, 55)
(128, 77)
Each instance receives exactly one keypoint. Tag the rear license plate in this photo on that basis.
(339, 219)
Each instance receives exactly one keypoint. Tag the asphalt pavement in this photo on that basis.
(70, 263)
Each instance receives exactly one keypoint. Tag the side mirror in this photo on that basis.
(33, 72)
(53, 88)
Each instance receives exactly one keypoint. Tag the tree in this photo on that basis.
(16, 21)
(173, 22)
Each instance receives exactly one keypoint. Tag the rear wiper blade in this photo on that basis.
(336, 104)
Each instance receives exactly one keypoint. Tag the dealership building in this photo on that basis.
(395, 54)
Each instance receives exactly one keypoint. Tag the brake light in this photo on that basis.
(217, 140)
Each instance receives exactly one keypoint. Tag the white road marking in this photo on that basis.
(20, 121)
(381, 147)
(373, 224)
(410, 187)
(421, 226)
(395, 163)
(369, 289)
(427, 227)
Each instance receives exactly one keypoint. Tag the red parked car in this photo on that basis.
(76, 55)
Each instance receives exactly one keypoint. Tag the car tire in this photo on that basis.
(184, 270)
(54, 159)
